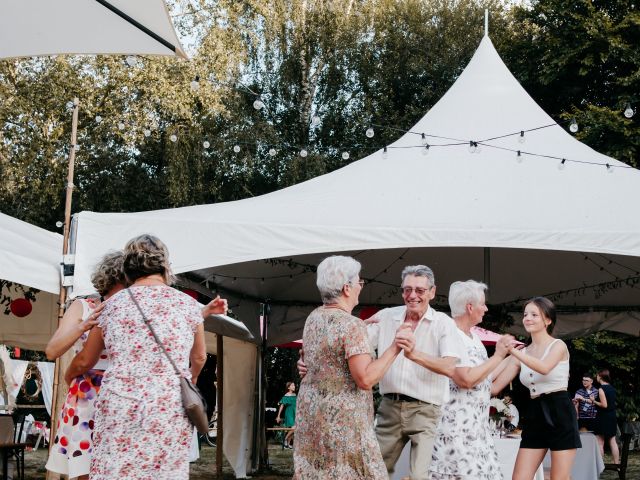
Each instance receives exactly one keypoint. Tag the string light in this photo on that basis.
(195, 84)
(147, 132)
(206, 144)
(424, 139)
(131, 60)
(370, 133)
(121, 126)
(304, 153)
(573, 127)
(628, 111)
(236, 148)
(173, 138)
(472, 146)
(609, 168)
(272, 152)
(519, 157)
(258, 104)
(385, 153)
(345, 155)
(521, 138)
(561, 165)
(425, 150)
(98, 119)
(69, 105)
(315, 121)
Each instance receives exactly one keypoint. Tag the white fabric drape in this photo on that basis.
(46, 373)
(17, 377)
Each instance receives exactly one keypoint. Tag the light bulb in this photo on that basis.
(303, 153)
(478, 148)
(59, 224)
(315, 121)
(609, 168)
(236, 148)
(561, 165)
(424, 139)
(573, 127)
(521, 138)
(69, 105)
(345, 155)
(98, 119)
(519, 157)
(272, 152)
(472, 147)
(120, 126)
(628, 111)
(425, 150)
(131, 60)
(147, 132)
(206, 144)
(370, 133)
(258, 104)
(173, 138)
(385, 153)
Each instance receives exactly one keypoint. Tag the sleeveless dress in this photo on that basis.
(71, 451)
(464, 448)
(606, 421)
(141, 429)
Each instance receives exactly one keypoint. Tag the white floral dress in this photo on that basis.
(141, 429)
(71, 451)
(464, 448)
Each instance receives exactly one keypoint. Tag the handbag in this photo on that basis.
(192, 400)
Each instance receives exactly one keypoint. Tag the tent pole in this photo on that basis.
(219, 402)
(487, 266)
(264, 448)
(486, 22)
(56, 404)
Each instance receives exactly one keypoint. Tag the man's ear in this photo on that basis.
(432, 294)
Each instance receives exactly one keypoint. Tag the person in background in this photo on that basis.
(288, 404)
(334, 420)
(513, 417)
(584, 400)
(606, 421)
(552, 423)
(70, 452)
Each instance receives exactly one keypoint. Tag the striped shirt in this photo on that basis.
(436, 334)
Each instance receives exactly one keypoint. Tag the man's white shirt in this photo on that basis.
(436, 335)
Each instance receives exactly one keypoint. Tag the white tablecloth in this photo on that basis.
(507, 449)
(589, 464)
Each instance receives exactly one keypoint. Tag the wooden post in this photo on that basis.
(219, 402)
(59, 391)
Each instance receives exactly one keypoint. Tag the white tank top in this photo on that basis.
(556, 379)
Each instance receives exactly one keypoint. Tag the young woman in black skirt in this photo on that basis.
(544, 369)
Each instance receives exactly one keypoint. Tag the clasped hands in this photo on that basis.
(506, 345)
(405, 340)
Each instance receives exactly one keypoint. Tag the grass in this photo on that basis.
(281, 466)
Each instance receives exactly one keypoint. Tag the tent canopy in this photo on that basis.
(528, 228)
(42, 27)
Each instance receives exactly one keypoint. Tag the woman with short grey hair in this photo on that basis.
(334, 417)
(464, 448)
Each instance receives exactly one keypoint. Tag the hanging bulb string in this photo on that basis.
(519, 132)
(614, 262)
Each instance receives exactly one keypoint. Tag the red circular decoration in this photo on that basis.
(192, 293)
(366, 312)
(20, 307)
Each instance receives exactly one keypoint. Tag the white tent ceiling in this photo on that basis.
(42, 27)
(565, 232)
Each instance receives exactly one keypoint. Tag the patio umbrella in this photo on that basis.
(42, 27)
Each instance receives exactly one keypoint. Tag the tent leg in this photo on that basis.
(57, 397)
(219, 402)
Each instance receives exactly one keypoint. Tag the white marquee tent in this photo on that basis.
(520, 222)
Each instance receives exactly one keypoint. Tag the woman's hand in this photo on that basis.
(217, 306)
(503, 345)
(278, 419)
(405, 339)
(92, 320)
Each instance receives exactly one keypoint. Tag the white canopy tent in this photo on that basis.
(526, 227)
(41, 27)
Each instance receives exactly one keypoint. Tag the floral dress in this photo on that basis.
(464, 448)
(71, 451)
(141, 429)
(334, 418)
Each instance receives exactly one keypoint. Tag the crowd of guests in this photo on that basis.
(434, 374)
(436, 380)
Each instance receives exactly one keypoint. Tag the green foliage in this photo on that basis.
(280, 368)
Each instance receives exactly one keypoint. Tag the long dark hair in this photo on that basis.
(547, 308)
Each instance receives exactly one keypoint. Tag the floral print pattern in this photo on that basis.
(334, 419)
(73, 444)
(141, 429)
(464, 448)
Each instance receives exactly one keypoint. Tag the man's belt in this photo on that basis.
(399, 397)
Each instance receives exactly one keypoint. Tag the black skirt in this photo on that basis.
(551, 423)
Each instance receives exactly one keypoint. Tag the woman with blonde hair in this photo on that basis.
(141, 428)
(71, 450)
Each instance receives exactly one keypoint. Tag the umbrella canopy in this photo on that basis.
(42, 27)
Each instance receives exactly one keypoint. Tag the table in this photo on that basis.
(507, 449)
(589, 464)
